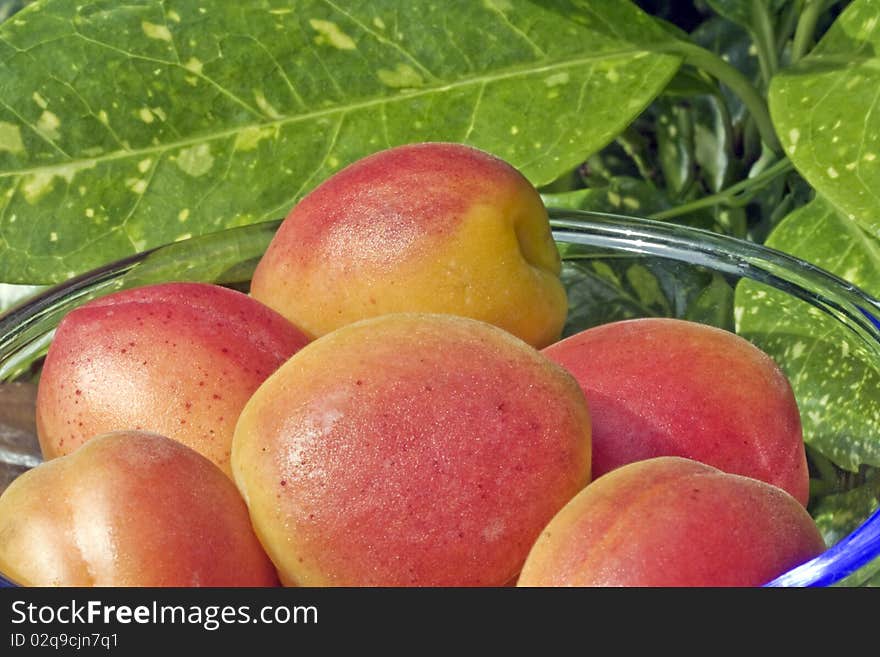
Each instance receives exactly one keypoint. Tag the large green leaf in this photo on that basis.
(126, 125)
(825, 111)
(836, 382)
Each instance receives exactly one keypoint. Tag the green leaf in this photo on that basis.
(632, 196)
(734, 45)
(605, 286)
(839, 514)
(825, 112)
(713, 305)
(637, 147)
(646, 288)
(226, 257)
(675, 145)
(837, 385)
(689, 82)
(713, 142)
(597, 295)
(740, 11)
(624, 158)
(128, 125)
(621, 195)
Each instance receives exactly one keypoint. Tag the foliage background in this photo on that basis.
(127, 126)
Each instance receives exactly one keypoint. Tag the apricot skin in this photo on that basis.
(668, 387)
(129, 509)
(670, 521)
(431, 227)
(179, 359)
(410, 450)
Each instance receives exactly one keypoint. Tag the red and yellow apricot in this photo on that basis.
(129, 509)
(179, 359)
(431, 227)
(669, 387)
(410, 450)
(669, 521)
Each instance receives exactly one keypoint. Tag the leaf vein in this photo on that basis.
(381, 39)
(34, 128)
(130, 55)
(517, 31)
(477, 102)
(140, 197)
(230, 158)
(162, 4)
(287, 81)
(337, 129)
(366, 104)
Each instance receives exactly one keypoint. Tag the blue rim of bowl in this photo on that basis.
(856, 309)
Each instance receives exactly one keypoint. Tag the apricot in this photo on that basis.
(179, 359)
(129, 509)
(670, 521)
(669, 387)
(430, 227)
(410, 449)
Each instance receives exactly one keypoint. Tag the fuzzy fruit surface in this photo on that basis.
(410, 450)
(129, 509)
(179, 359)
(430, 227)
(669, 387)
(670, 521)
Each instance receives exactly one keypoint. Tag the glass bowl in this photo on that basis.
(614, 267)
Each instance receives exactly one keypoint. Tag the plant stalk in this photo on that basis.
(728, 196)
(737, 82)
(806, 28)
(765, 40)
(786, 24)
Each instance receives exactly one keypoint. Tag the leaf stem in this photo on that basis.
(737, 82)
(806, 28)
(765, 40)
(786, 24)
(728, 196)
